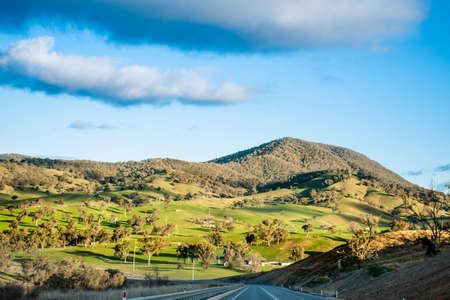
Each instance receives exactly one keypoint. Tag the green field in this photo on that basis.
(181, 213)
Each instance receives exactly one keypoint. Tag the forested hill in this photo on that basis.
(280, 163)
(280, 159)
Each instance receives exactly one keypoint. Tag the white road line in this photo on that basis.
(240, 293)
(270, 295)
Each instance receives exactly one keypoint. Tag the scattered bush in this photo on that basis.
(70, 275)
(375, 270)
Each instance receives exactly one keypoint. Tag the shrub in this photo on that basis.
(70, 275)
(375, 270)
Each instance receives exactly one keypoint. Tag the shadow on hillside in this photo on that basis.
(87, 253)
(336, 238)
(374, 211)
(351, 218)
(63, 211)
(299, 221)
(200, 229)
(114, 210)
(111, 259)
(274, 208)
(370, 209)
(310, 253)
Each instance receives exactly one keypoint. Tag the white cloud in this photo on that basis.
(294, 23)
(229, 25)
(101, 78)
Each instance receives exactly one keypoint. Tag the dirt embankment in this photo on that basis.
(428, 279)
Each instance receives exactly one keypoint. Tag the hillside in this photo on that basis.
(275, 164)
(72, 209)
(400, 254)
(281, 159)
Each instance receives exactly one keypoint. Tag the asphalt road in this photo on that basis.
(268, 292)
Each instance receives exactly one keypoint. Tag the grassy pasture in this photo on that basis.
(181, 213)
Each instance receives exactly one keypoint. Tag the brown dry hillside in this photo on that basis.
(410, 273)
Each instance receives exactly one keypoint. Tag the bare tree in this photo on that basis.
(371, 222)
(432, 215)
(362, 247)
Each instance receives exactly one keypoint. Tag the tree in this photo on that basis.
(371, 222)
(216, 238)
(399, 225)
(67, 217)
(153, 218)
(128, 207)
(362, 247)
(14, 224)
(307, 228)
(355, 228)
(40, 236)
(90, 218)
(297, 253)
(250, 238)
(121, 233)
(432, 216)
(6, 253)
(255, 262)
(235, 253)
(183, 252)
(192, 252)
(100, 219)
(152, 245)
(114, 219)
(271, 231)
(103, 206)
(104, 236)
(137, 223)
(164, 230)
(37, 215)
(121, 250)
(205, 253)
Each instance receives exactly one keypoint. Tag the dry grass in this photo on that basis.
(116, 294)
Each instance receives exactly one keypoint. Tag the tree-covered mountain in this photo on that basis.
(281, 159)
(280, 163)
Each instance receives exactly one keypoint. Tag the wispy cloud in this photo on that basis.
(32, 64)
(84, 125)
(443, 168)
(414, 173)
(225, 26)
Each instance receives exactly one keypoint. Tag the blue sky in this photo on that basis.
(196, 83)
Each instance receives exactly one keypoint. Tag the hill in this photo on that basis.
(277, 163)
(400, 254)
(80, 208)
(281, 159)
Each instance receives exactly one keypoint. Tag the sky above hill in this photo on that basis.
(118, 80)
